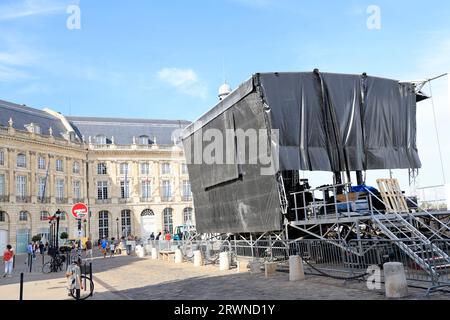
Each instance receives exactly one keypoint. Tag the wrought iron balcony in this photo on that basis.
(166, 199)
(4, 198)
(146, 199)
(125, 200)
(43, 199)
(186, 198)
(102, 201)
(23, 199)
(61, 200)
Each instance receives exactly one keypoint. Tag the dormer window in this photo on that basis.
(100, 139)
(144, 140)
(33, 128)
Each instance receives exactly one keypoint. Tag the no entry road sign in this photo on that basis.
(79, 210)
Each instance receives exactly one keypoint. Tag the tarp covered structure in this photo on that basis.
(326, 122)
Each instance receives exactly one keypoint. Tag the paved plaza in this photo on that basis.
(132, 278)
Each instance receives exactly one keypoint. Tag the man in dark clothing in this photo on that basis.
(41, 247)
(89, 249)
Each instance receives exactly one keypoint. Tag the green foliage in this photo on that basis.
(36, 238)
(64, 235)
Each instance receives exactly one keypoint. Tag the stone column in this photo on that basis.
(296, 272)
(198, 259)
(224, 261)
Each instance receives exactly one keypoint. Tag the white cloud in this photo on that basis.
(185, 81)
(26, 8)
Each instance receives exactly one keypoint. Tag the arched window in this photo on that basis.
(23, 216)
(126, 222)
(100, 139)
(103, 224)
(147, 212)
(76, 167)
(43, 215)
(21, 160)
(2, 216)
(144, 140)
(187, 216)
(168, 222)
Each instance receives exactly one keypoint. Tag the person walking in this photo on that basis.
(89, 249)
(104, 245)
(73, 275)
(168, 236)
(158, 236)
(8, 259)
(41, 247)
(30, 252)
(112, 248)
(152, 236)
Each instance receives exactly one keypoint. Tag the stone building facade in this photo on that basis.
(130, 173)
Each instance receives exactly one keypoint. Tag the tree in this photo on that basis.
(36, 238)
(64, 236)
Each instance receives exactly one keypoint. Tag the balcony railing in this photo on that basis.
(4, 198)
(166, 199)
(43, 199)
(23, 199)
(77, 200)
(186, 198)
(61, 200)
(125, 200)
(103, 201)
(146, 199)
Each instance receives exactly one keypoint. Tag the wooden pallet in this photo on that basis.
(392, 196)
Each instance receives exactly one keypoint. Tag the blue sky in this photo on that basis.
(166, 59)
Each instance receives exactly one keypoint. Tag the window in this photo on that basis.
(124, 168)
(41, 163)
(23, 216)
(76, 167)
(126, 222)
(41, 187)
(102, 190)
(166, 190)
(144, 140)
(100, 139)
(145, 168)
(101, 168)
(147, 213)
(2, 158)
(77, 190)
(186, 189)
(103, 224)
(146, 189)
(44, 215)
(187, 216)
(168, 222)
(165, 168)
(124, 189)
(21, 160)
(59, 189)
(2, 185)
(21, 186)
(59, 165)
(184, 169)
(2, 216)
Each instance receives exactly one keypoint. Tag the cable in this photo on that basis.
(437, 133)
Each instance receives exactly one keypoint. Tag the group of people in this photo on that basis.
(109, 246)
(36, 247)
(167, 236)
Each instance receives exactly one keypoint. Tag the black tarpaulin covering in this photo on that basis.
(326, 122)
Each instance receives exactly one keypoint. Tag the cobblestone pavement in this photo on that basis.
(131, 278)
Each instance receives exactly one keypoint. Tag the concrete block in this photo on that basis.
(198, 258)
(154, 254)
(178, 256)
(148, 249)
(270, 268)
(224, 261)
(255, 267)
(296, 272)
(395, 280)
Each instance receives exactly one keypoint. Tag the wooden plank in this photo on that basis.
(392, 195)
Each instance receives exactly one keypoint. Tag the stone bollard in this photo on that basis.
(395, 280)
(140, 251)
(224, 261)
(178, 256)
(296, 272)
(198, 259)
(270, 269)
(255, 267)
(148, 249)
(154, 254)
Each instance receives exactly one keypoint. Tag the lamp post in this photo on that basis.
(58, 216)
(117, 221)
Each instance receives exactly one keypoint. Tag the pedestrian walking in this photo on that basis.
(112, 248)
(152, 236)
(30, 251)
(89, 249)
(104, 245)
(158, 236)
(8, 259)
(73, 275)
(168, 236)
(41, 247)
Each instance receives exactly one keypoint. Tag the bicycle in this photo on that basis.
(54, 265)
(85, 292)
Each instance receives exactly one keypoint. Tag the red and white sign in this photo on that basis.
(79, 210)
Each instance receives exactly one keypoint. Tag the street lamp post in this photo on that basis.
(58, 216)
(117, 221)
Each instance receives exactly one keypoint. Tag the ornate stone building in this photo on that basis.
(130, 172)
